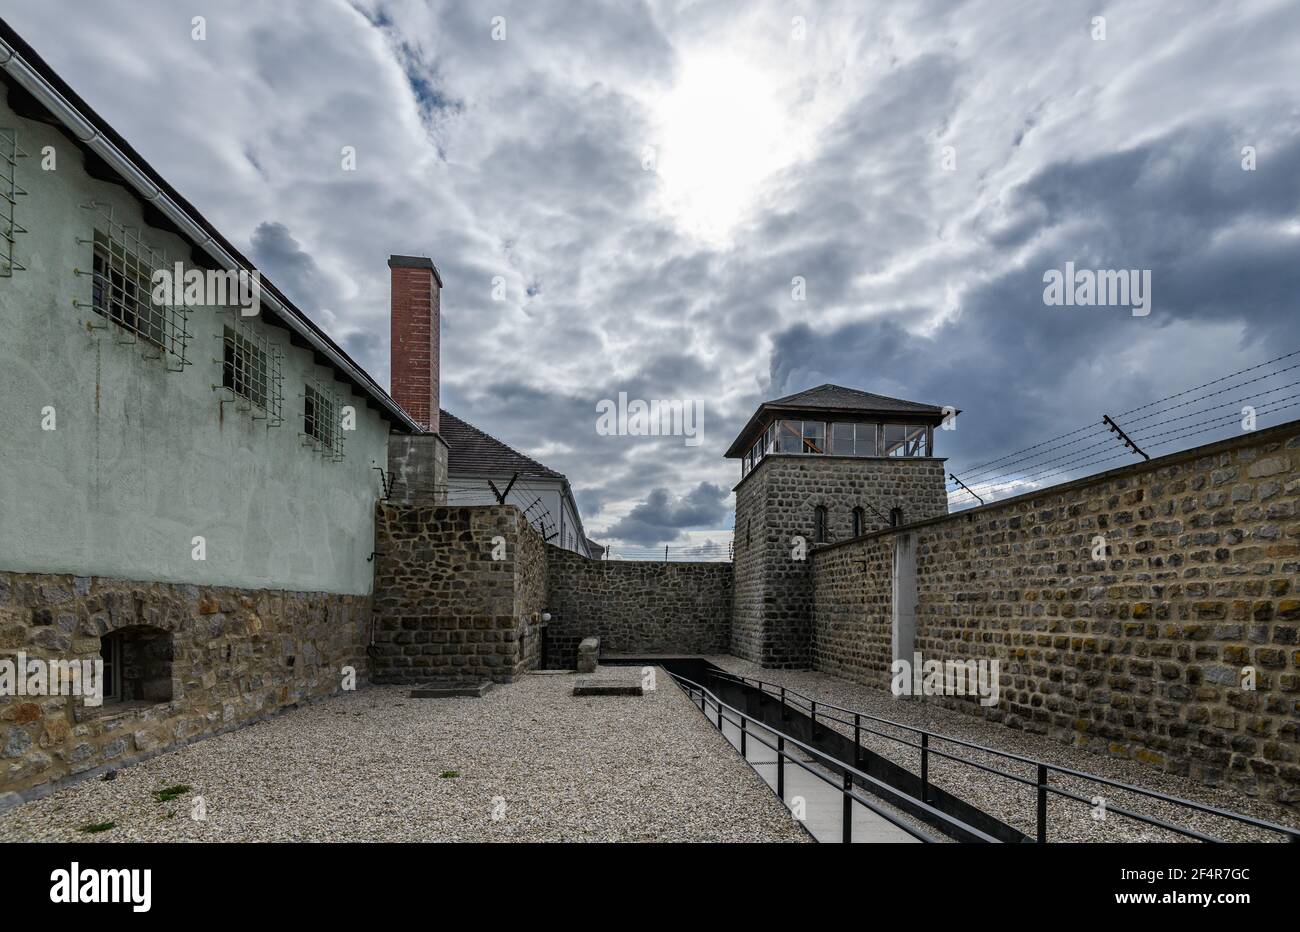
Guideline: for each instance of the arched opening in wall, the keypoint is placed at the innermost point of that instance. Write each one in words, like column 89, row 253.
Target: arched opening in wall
column 895, row 516
column 819, row 524
column 137, row 665
column 859, row 522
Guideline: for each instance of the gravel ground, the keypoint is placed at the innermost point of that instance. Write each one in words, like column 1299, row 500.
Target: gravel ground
column 1015, row 803
column 377, row 766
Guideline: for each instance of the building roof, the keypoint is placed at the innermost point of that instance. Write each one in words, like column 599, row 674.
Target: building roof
column 827, row 400
column 472, row 452
column 39, row 93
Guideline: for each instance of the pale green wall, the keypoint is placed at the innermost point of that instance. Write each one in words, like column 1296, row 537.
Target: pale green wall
column 142, row 459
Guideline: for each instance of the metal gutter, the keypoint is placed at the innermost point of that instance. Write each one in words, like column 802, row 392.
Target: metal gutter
column 85, row 130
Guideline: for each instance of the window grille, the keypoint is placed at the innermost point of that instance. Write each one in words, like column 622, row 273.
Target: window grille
column 122, row 270
column 320, row 420
column 251, row 377
column 10, row 191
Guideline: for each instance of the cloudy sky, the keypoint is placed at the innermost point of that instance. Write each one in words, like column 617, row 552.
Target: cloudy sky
column 647, row 180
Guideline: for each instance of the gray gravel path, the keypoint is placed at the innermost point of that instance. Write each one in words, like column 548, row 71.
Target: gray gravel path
column 378, row 766
column 1015, row 803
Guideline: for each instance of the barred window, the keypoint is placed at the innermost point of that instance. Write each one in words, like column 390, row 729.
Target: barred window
column 122, row 273
column 122, row 290
column 10, row 191
column 244, row 368
column 320, row 420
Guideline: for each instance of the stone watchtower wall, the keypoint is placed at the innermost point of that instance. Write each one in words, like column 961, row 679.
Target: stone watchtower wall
column 772, row 611
column 1144, row 654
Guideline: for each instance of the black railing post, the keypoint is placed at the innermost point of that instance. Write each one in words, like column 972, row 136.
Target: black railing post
column 1042, row 803
column 813, row 707
column 785, row 712
column 857, row 740
column 743, row 733
column 925, row 766
column 719, row 715
column 848, row 808
column 780, row 766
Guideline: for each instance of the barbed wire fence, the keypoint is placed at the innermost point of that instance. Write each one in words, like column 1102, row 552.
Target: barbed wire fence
column 1256, row 392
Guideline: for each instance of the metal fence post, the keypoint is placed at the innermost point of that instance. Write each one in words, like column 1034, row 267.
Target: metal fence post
column 857, row 740
column 813, row 707
column 743, row 733
column 1042, row 803
column 785, row 712
column 925, row 766
column 848, row 808
column 780, row 766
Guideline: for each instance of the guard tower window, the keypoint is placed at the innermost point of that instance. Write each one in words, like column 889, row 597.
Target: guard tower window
column 802, row 437
column 859, row 522
column 907, row 440
column 819, row 524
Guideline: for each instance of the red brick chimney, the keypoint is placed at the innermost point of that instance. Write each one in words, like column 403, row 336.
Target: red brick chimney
column 413, row 355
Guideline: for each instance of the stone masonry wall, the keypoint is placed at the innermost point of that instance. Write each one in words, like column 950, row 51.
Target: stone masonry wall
column 636, row 606
column 773, row 614
column 852, row 612
column 235, row 655
column 1140, row 655
column 445, row 608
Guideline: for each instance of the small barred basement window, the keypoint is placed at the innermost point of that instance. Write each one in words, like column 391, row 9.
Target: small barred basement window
column 819, row 522
column 859, row 522
column 250, row 373
column 137, row 665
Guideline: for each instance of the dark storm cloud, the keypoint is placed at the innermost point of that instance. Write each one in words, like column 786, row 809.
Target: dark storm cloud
column 284, row 261
column 662, row 518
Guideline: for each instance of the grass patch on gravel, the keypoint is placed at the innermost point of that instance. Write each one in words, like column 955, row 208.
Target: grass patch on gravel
column 96, row 827
column 449, row 774
column 167, row 794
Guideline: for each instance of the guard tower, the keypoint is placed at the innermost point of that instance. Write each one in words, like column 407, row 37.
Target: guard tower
column 824, row 465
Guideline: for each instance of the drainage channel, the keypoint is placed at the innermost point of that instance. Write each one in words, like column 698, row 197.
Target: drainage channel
column 816, row 773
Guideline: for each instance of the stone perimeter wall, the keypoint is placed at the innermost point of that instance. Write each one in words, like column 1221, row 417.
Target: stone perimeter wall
column 445, row 608
column 237, row 655
column 636, row 606
column 1139, row 655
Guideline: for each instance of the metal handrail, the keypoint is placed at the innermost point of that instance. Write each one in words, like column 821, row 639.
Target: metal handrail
column 1041, row 783
column 849, row 772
